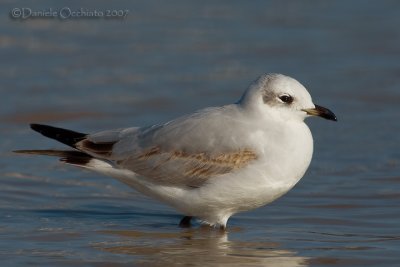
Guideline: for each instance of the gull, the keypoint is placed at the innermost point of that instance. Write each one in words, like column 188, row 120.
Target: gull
column 212, row 163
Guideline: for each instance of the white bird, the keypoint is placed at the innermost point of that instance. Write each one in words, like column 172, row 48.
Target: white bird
column 212, row 163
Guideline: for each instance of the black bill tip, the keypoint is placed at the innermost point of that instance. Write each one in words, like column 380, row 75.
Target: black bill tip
column 321, row 112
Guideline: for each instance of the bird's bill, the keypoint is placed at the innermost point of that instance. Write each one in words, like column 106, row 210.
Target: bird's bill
column 321, row 112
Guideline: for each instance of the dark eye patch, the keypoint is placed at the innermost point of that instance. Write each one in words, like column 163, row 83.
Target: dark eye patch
column 288, row 99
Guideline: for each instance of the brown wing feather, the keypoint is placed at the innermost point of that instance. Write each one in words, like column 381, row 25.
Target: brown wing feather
column 173, row 167
column 181, row 168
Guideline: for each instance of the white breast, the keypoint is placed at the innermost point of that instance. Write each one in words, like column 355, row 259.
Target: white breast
column 269, row 177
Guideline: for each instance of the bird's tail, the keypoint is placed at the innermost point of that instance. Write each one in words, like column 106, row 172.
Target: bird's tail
column 68, row 137
column 86, row 154
column 77, row 157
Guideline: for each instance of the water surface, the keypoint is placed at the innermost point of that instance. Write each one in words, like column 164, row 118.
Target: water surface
column 168, row 59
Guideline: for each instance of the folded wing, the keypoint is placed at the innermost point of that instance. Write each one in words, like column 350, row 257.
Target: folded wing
column 183, row 152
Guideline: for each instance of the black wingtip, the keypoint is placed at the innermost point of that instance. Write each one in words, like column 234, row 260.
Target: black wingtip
column 36, row 127
column 79, row 161
column 39, row 127
column 67, row 156
column 64, row 136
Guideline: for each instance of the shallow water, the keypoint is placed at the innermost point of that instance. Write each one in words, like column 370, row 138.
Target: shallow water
column 165, row 60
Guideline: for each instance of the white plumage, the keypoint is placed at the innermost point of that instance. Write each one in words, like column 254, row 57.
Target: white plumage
column 215, row 162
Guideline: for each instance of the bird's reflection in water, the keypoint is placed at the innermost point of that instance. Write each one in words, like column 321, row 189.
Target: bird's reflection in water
column 198, row 247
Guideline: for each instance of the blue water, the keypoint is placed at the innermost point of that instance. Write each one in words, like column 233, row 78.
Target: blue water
column 169, row 58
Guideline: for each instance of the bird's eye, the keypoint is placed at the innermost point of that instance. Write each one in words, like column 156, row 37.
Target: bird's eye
column 286, row 98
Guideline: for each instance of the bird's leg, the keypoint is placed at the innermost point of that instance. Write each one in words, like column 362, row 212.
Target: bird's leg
column 185, row 222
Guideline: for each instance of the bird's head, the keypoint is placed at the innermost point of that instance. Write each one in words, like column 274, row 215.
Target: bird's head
column 282, row 96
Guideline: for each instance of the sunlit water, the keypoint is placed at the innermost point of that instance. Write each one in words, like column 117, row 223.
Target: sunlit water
column 165, row 60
